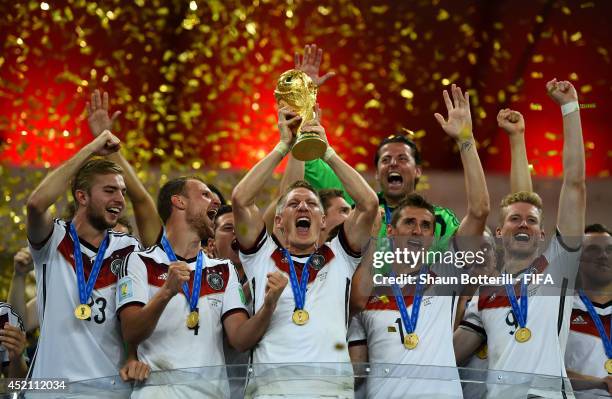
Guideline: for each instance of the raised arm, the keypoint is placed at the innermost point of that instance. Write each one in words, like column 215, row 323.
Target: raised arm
column 293, row 172
column 248, row 221
column 39, row 221
column 513, row 124
column 359, row 223
column 459, row 127
column 572, row 201
column 145, row 211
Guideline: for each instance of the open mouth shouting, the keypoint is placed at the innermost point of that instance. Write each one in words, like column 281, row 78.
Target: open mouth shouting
column 114, row 210
column 302, row 225
column 395, row 180
column 522, row 237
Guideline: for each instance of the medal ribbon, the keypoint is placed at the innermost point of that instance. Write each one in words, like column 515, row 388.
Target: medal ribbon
column 387, row 215
column 85, row 289
column 607, row 341
column 299, row 291
column 519, row 308
column 410, row 323
column 197, row 278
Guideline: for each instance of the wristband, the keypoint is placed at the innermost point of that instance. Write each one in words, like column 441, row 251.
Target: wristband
column 282, row 148
column 329, row 152
column 570, row 107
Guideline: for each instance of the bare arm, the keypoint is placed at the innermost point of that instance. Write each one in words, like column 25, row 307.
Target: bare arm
column 293, row 172
column 582, row 382
column 249, row 222
column 465, row 342
column 572, row 201
column 459, row 127
column 145, row 211
column 513, row 123
column 137, row 321
column 22, row 265
column 243, row 332
column 54, row 185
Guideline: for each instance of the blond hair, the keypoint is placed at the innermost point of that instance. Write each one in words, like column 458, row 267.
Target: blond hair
column 84, row 177
column 527, row 197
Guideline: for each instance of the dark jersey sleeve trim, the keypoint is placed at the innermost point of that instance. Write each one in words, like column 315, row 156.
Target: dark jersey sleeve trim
column 232, row 311
column 563, row 244
column 345, row 245
column 39, row 245
column 358, row 342
column 261, row 239
column 474, row 327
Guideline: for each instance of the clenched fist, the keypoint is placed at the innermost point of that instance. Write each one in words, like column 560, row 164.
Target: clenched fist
column 561, row 92
column 22, row 262
column 274, row 288
column 178, row 273
column 511, row 121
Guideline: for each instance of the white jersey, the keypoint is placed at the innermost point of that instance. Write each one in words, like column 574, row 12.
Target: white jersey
column 323, row 338
column 69, row 347
column 490, row 314
column 172, row 345
column 585, row 352
column 8, row 315
column 430, row 369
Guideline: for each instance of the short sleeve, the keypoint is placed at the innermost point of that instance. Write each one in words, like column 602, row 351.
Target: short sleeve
column 341, row 248
column 252, row 258
column 233, row 297
column 41, row 253
column 356, row 332
column 471, row 319
column 133, row 285
column 563, row 262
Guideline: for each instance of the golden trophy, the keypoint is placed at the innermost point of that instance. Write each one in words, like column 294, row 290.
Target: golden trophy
column 296, row 90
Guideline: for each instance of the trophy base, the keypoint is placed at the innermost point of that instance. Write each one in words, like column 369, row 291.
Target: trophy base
column 308, row 146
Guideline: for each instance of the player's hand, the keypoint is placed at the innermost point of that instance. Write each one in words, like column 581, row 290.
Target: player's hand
column 310, row 64
column 608, row 383
column 511, row 121
column 459, row 123
column 14, row 340
column 178, row 273
column 288, row 123
column 22, row 262
column 134, row 370
column 561, row 92
column 274, row 288
column 106, row 143
column 97, row 114
column 314, row 125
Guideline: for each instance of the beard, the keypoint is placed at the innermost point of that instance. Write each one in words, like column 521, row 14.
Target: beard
column 97, row 220
column 201, row 224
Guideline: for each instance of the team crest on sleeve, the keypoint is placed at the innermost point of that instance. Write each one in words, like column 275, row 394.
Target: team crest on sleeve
column 125, row 290
column 215, row 281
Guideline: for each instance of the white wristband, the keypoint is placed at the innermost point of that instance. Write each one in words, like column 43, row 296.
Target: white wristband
column 329, row 152
column 568, row 108
column 282, row 148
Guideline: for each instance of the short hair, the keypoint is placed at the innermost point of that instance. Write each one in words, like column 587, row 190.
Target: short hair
column 328, row 194
column 223, row 209
column 415, row 201
column 398, row 139
column 528, row 197
column 298, row 184
column 83, row 179
column 124, row 221
column 216, row 190
column 597, row 228
column 170, row 189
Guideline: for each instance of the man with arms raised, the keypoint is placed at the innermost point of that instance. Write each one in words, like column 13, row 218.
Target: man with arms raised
column 394, row 326
column 76, row 262
column 309, row 324
column 176, row 331
column 526, row 324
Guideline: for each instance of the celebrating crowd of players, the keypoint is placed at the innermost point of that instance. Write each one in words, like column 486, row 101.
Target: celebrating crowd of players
column 289, row 289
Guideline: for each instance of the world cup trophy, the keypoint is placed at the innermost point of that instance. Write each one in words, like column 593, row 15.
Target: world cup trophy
column 296, row 90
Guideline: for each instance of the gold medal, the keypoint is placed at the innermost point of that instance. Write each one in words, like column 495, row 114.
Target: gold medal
column 482, row 352
column 82, row 312
column 300, row 317
column 411, row 341
column 608, row 366
column 522, row 335
column 193, row 319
